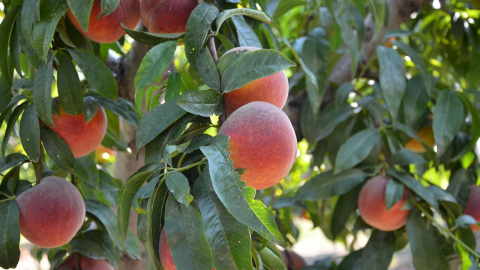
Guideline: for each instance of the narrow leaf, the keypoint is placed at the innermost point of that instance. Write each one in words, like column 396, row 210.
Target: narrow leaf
column 154, row 63
column 393, row 193
column 203, row 103
column 177, row 183
column 378, row 252
column 356, row 149
column 10, row 234
column 81, row 11
column 58, row 150
column 30, row 132
column 42, row 92
column 6, row 29
column 69, row 86
column 447, row 120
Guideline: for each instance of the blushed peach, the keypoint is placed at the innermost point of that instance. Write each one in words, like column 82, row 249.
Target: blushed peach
column 166, row 16
column 426, row 135
column 51, row 212
column 272, row 89
column 108, row 28
column 373, row 209
column 262, row 141
column 473, row 206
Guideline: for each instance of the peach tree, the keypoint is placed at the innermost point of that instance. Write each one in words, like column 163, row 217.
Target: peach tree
column 185, row 134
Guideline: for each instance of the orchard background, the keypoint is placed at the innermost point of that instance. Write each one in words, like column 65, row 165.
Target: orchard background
column 382, row 98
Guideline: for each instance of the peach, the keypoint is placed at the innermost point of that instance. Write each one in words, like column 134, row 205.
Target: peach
column 165, row 255
column 51, row 212
column 82, row 137
column 86, row 263
column 262, row 141
column 166, row 16
column 472, row 208
column 272, row 89
column 373, row 209
column 103, row 154
column 108, row 29
column 426, row 135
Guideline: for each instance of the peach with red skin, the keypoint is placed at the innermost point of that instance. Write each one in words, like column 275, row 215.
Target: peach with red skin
column 272, row 89
column 473, row 206
column 51, row 212
column 165, row 254
column 108, row 28
column 82, row 137
column 262, row 141
column 372, row 206
column 166, row 16
column 85, row 263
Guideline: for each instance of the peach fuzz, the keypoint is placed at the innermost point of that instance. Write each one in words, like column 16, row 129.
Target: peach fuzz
column 373, row 209
column 108, row 28
column 473, row 206
column 272, row 89
column 166, row 16
column 262, row 141
column 82, row 137
column 51, row 212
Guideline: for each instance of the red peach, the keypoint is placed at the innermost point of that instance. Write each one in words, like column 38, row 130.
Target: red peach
column 272, row 89
column 472, row 208
column 108, row 29
column 262, row 141
column 372, row 206
column 166, row 16
column 82, row 137
column 51, row 212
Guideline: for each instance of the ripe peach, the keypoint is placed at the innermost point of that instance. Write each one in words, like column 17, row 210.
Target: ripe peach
column 262, row 141
column 272, row 89
column 81, row 137
column 165, row 254
column 85, row 263
column 103, row 154
column 426, row 135
column 108, row 29
column 166, row 16
column 372, row 206
column 472, row 208
column 51, row 212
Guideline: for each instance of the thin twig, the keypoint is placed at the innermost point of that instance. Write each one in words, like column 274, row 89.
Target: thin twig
column 39, row 168
column 212, row 47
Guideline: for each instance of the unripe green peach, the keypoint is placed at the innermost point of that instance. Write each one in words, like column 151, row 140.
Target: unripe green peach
column 262, row 141
column 272, row 89
column 373, row 209
column 51, row 212
column 108, row 28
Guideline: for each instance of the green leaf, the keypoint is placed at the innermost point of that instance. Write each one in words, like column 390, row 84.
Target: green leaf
column 174, row 87
column 378, row 10
column 378, row 252
column 120, row 107
column 177, row 183
column 345, row 207
column 352, row 261
column 203, row 103
column 11, row 161
column 197, row 29
column 405, row 157
column 326, row 185
column 228, row 238
column 197, row 142
column 150, row 38
column 97, row 73
column 246, row 36
column 356, row 149
column 27, row 17
column 392, row 78
column 252, row 66
column 270, row 258
column 81, row 10
column 156, row 121
column 186, row 237
column 43, row 31
column 155, row 210
column 459, row 186
column 12, row 121
column 327, row 122
column 16, row 48
column 42, row 92
column 475, row 133
column 6, row 29
column 58, row 150
column 10, row 234
column 235, row 195
column 447, row 120
column 103, row 214
column 154, row 63
column 132, row 186
column 106, row 244
column 86, row 170
column 465, row 221
column 88, row 248
column 225, row 41
column 414, row 185
column 108, row 6
column 256, row 14
column 30, row 132
column 415, row 101
column 393, row 193
column 425, row 251
column 419, row 63
column 207, row 69
column 69, row 86
column 23, row 83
